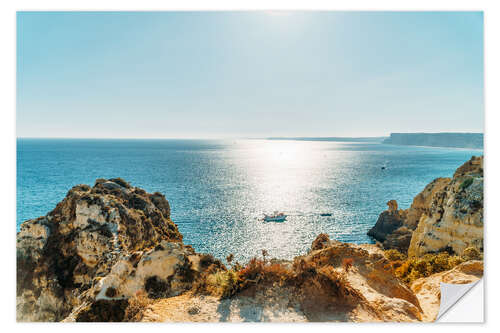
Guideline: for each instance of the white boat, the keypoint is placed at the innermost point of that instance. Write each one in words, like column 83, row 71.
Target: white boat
column 276, row 217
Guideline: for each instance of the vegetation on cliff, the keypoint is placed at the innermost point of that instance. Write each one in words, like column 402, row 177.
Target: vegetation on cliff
column 412, row 268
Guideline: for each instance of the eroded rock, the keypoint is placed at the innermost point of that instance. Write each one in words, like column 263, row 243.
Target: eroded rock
column 454, row 220
column 446, row 215
column 89, row 233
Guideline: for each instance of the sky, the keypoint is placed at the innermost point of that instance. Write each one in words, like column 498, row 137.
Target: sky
column 248, row 74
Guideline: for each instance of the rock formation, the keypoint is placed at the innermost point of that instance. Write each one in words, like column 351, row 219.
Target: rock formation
column 394, row 228
column 100, row 239
column 455, row 219
column 388, row 222
column 447, row 214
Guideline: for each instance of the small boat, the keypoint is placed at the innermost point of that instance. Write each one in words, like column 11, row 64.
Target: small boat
column 383, row 168
column 276, row 217
column 325, row 214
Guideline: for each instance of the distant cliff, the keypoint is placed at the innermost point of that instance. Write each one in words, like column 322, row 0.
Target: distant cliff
column 453, row 140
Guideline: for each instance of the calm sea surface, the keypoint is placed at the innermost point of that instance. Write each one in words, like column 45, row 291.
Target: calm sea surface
column 218, row 190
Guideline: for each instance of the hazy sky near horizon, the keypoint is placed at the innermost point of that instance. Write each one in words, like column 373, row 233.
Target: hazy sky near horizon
column 240, row 74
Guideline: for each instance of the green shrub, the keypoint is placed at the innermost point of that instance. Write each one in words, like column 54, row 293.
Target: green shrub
column 471, row 253
column 413, row 268
column 455, row 261
column 423, row 266
column 441, row 262
column 222, row 283
column 394, row 254
column 466, row 183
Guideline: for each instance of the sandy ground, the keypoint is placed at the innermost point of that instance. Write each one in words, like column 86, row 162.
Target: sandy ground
column 189, row 308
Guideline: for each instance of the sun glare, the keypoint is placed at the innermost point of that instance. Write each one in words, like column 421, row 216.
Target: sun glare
column 279, row 13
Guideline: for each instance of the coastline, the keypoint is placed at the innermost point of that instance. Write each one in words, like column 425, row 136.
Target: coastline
column 112, row 253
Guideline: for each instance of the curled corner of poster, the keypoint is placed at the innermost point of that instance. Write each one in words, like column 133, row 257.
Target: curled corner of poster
column 461, row 303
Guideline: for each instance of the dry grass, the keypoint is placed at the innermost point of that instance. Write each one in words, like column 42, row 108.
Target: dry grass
column 136, row 307
column 347, row 264
column 226, row 283
column 471, row 253
column 223, row 283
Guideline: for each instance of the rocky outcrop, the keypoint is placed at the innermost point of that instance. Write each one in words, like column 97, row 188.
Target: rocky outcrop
column 93, row 237
column 422, row 202
column 167, row 270
column 428, row 289
column 454, row 221
column 388, row 221
column 446, row 215
column 375, row 294
column 394, row 228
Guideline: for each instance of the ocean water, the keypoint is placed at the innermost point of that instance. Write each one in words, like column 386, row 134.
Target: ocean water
column 219, row 190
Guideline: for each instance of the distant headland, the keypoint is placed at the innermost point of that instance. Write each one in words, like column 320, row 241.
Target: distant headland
column 451, row 140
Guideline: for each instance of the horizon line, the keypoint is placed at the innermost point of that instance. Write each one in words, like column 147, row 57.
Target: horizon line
column 247, row 138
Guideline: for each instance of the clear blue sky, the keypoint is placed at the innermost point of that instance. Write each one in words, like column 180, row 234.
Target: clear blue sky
column 238, row 74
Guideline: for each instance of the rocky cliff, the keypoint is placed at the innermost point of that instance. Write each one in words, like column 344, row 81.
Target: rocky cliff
column 394, row 228
column 446, row 215
column 98, row 243
column 454, row 220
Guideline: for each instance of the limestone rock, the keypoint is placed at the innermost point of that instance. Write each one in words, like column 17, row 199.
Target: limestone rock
column 375, row 294
column 446, row 215
column 61, row 255
column 393, row 205
column 166, row 271
column 394, row 228
column 422, row 202
column 473, row 166
column 399, row 239
column 455, row 218
column 387, row 222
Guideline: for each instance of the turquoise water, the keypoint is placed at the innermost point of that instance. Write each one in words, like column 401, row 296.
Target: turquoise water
column 218, row 190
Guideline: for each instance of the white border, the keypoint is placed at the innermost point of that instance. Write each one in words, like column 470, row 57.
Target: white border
column 8, row 168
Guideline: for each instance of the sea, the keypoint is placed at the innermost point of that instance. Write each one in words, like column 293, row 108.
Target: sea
column 219, row 189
